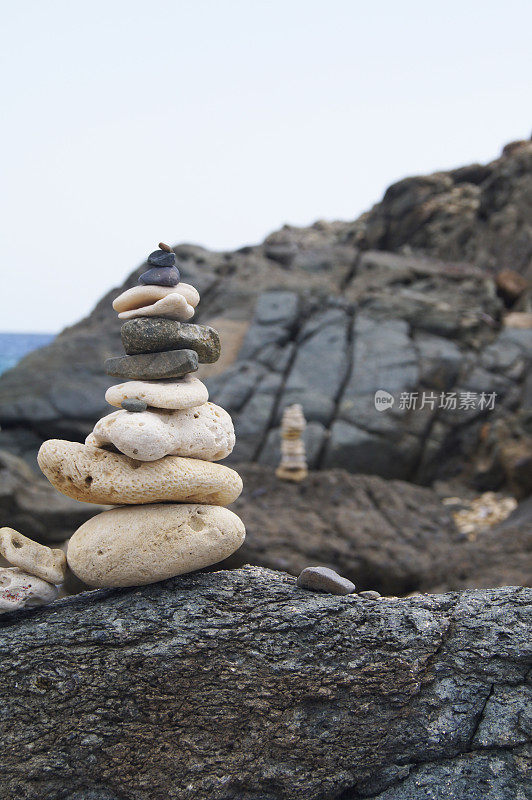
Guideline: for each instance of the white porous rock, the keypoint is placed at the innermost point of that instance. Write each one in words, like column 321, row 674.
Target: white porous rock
column 18, row 589
column 186, row 392
column 135, row 545
column 94, row 475
column 32, row 557
column 173, row 306
column 139, row 296
column 203, row 432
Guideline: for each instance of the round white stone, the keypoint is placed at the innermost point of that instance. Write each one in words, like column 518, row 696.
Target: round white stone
column 142, row 544
column 204, row 432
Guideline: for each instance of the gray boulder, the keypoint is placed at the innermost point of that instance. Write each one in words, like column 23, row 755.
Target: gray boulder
column 241, row 685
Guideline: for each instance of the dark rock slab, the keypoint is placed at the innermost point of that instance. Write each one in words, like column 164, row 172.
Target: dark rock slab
column 239, row 685
column 151, row 366
column 156, row 334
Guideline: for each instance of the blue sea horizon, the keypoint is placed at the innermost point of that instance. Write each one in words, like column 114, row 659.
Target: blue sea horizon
column 14, row 346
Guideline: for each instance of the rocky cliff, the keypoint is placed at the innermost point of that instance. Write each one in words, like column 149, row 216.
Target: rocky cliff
column 240, row 685
column 402, row 300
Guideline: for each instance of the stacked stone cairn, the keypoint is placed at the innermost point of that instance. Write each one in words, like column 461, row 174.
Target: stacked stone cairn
column 293, row 466
column 155, row 457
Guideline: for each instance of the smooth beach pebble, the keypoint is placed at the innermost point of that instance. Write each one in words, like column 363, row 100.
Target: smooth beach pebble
column 142, row 544
column 133, row 405
column 370, row 595
column 160, row 276
column 150, row 366
column 204, row 432
column 139, row 296
column 153, row 335
column 323, row 579
column 185, row 392
column 162, row 258
column 32, row 557
column 94, row 475
column 18, row 590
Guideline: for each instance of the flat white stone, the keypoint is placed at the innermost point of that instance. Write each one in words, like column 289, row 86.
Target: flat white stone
column 173, row 306
column 139, row 296
column 186, row 392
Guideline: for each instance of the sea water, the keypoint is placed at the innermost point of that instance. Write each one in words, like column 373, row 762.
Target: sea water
column 14, row 346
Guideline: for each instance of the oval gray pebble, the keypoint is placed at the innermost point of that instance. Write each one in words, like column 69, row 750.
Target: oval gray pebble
column 323, row 579
column 134, row 404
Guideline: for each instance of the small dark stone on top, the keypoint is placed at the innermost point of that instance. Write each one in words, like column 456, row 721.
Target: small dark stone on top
column 323, row 579
column 134, row 405
column 162, row 258
column 160, row 276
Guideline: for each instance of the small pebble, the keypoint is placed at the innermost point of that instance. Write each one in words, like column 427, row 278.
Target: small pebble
column 134, row 405
column 370, row 595
column 162, row 258
column 160, row 276
column 323, row 579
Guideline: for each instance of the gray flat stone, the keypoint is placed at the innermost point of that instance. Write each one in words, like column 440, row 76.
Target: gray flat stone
column 323, row 579
column 151, row 366
column 156, row 335
column 370, row 595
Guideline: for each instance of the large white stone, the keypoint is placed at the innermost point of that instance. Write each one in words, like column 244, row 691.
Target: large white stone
column 97, row 476
column 142, row 544
column 203, row 432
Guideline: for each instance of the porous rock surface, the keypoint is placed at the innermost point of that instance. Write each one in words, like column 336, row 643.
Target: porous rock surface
column 94, row 475
column 204, row 432
column 241, row 686
column 338, row 311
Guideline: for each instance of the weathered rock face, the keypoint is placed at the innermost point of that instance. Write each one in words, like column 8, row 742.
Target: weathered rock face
column 391, row 536
column 481, row 214
column 241, row 685
column 332, row 322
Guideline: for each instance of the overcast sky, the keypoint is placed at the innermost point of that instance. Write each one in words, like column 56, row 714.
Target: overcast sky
column 126, row 123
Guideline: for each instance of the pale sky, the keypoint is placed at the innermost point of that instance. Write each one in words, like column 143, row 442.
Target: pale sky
column 215, row 122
